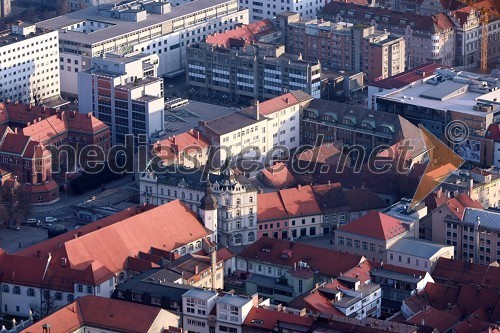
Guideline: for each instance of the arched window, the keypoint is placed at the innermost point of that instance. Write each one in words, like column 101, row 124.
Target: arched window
column 250, row 199
column 183, row 250
column 251, row 237
column 191, row 247
column 162, row 191
column 198, row 244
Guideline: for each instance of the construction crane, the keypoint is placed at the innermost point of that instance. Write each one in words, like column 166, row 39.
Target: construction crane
column 485, row 14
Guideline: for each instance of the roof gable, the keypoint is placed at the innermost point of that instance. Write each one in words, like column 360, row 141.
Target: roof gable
column 376, row 225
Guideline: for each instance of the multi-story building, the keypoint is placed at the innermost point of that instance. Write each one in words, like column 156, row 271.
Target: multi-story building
column 474, row 231
column 124, row 93
column 258, row 131
column 282, row 270
column 36, row 142
column 29, row 64
column 468, row 35
column 92, row 260
column 427, row 38
column 448, row 95
column 424, row 7
column 5, row 8
column 340, row 122
column 345, row 46
column 289, row 214
column 493, row 133
column 258, row 71
column 269, row 9
column 150, row 27
column 236, row 200
column 372, row 235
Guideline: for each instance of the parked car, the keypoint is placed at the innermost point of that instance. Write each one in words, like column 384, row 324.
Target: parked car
column 50, row 219
column 47, row 225
column 33, row 221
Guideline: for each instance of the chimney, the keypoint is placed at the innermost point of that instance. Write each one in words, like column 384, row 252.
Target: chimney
column 89, row 115
column 15, row 130
column 329, row 183
column 173, row 139
column 298, row 187
column 196, row 270
column 197, row 135
column 439, row 192
column 256, row 108
column 75, row 236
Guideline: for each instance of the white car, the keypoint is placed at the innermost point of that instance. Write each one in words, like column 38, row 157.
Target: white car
column 50, row 219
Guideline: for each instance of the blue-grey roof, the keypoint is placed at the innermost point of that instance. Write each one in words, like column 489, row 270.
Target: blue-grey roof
column 417, row 247
column 235, row 300
column 200, row 293
column 487, row 219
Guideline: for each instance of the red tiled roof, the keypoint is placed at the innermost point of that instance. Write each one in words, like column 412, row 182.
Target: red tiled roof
column 326, row 153
column 100, row 252
column 451, row 4
column 458, row 204
column 270, row 207
column 319, row 302
column 467, row 273
column 375, row 225
column 463, row 13
column 407, row 77
column 14, row 143
column 440, row 320
column 99, row 312
column 260, row 318
column 299, row 201
column 277, row 104
column 363, row 199
column 224, row 254
column 179, row 143
column 313, row 256
column 242, row 35
column 278, row 176
column 493, row 132
column 140, row 265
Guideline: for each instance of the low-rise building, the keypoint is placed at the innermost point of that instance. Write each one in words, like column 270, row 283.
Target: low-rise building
column 124, row 93
column 418, row 254
column 289, row 214
column 283, row 270
column 372, row 235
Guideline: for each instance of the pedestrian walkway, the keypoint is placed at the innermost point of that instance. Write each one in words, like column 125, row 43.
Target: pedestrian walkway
column 70, row 200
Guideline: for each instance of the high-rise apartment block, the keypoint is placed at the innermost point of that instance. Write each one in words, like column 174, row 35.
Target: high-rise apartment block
column 146, row 26
column 428, row 39
column 268, row 9
column 123, row 92
column 29, row 64
column 346, row 46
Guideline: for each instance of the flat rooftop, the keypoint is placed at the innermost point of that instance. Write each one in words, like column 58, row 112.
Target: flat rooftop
column 185, row 117
column 119, row 27
column 463, row 103
column 8, row 37
column 417, row 247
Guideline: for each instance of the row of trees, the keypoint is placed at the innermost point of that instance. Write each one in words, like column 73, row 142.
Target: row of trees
column 14, row 204
column 88, row 181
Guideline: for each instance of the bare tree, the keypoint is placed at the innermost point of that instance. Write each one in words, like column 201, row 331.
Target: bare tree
column 16, row 204
column 48, row 301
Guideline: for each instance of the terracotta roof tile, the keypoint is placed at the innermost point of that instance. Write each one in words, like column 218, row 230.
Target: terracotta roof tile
column 270, row 207
column 376, row 225
column 179, row 143
column 99, row 312
column 14, row 143
column 313, row 256
column 277, row 104
column 330, row 197
column 363, row 199
column 493, row 132
column 407, row 77
column 440, row 320
column 326, row 153
column 260, row 318
column 299, row 201
column 467, row 273
column 242, row 35
column 278, row 176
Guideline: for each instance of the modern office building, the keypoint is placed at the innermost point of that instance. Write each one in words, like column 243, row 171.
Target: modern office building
column 29, row 64
column 379, row 54
column 427, row 38
column 249, row 63
column 124, row 93
column 269, row 9
column 448, row 95
column 145, row 26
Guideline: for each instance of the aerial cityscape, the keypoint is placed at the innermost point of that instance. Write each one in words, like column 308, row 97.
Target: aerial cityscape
column 241, row 166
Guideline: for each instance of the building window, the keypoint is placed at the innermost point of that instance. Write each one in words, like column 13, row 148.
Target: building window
column 31, row 292
column 79, row 288
column 408, row 260
column 6, row 288
column 300, row 286
column 58, row 296
column 16, row 290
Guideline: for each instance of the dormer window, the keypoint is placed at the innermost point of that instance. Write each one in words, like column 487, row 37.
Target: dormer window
column 402, row 21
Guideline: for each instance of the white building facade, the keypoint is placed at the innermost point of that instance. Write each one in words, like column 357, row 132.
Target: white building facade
column 267, row 9
column 124, row 93
column 29, row 64
column 149, row 27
